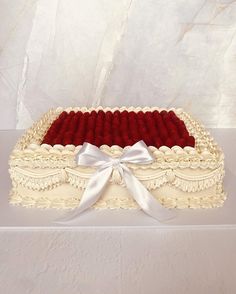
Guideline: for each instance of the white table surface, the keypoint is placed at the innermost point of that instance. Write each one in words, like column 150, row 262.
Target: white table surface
column 118, row 251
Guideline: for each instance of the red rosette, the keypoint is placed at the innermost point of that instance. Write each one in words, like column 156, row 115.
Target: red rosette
column 69, row 133
column 148, row 115
column 135, row 138
column 175, row 120
column 66, row 141
column 132, row 116
column 147, row 139
column 101, row 113
column 171, row 127
column 185, row 135
column 132, row 113
column 153, row 134
column 140, row 119
column 64, row 125
column 97, row 141
column 73, row 126
column 53, row 142
column 93, row 114
column 99, row 122
column 107, row 140
column 140, row 113
column 119, row 142
column 171, row 113
column 57, row 140
column 191, row 141
column 174, row 135
column 75, row 119
column 63, row 115
column 181, row 125
column 97, row 131
column 166, row 118
column 158, row 142
column 86, row 116
column 181, row 129
column 124, row 121
column 81, row 128
column 123, row 129
column 142, row 130
column 57, row 121
column 79, row 133
column 180, row 142
column 107, row 133
column 156, row 113
column 107, row 125
column 108, row 116
column 149, row 122
column 116, row 113
column 45, row 140
column 116, row 121
column 91, row 123
column 78, row 141
column 89, row 140
column 163, row 113
column 89, row 137
column 79, row 113
column 156, row 121
column 129, row 142
column 134, row 130
column 52, row 134
column 71, row 113
column 163, row 133
column 169, row 142
column 125, row 136
column 124, row 113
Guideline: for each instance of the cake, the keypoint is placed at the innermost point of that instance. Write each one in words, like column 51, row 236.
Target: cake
column 186, row 172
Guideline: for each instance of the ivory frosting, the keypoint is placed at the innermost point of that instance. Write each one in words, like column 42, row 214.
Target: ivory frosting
column 178, row 177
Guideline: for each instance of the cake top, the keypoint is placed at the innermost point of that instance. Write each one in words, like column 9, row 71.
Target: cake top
column 174, row 138
column 121, row 128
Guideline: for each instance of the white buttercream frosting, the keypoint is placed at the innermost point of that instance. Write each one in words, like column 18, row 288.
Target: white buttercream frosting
column 43, row 168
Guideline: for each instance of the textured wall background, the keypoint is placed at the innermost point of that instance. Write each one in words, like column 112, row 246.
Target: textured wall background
column 128, row 52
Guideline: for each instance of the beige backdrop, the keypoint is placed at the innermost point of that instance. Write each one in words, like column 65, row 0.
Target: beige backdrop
column 127, row 52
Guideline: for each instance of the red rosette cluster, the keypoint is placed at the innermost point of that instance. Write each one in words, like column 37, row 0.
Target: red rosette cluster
column 122, row 128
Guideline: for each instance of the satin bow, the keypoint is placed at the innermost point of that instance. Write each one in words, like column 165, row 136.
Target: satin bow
column 92, row 156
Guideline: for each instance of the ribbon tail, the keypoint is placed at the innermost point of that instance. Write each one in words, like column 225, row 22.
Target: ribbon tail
column 146, row 201
column 92, row 193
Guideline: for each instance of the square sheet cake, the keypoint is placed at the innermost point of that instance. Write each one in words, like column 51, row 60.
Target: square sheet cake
column 187, row 171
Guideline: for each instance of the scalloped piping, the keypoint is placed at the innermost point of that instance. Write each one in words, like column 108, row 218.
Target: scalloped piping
column 186, row 183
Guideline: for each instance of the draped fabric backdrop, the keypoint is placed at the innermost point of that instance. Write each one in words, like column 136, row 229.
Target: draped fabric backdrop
column 168, row 53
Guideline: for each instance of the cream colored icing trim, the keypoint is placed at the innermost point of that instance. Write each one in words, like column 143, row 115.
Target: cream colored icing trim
column 194, row 202
column 48, row 180
column 29, row 153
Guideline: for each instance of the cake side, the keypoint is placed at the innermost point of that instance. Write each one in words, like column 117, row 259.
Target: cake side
column 178, row 177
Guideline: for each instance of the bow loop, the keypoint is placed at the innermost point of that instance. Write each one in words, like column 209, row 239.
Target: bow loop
column 90, row 155
column 138, row 153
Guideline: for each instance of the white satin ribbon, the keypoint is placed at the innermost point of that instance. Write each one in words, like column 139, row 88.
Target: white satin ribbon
column 92, row 156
